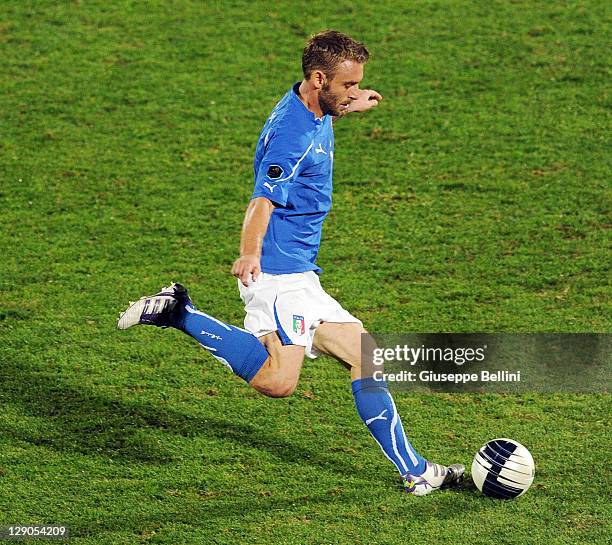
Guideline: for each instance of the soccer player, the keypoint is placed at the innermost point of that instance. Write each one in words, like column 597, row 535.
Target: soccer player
column 288, row 314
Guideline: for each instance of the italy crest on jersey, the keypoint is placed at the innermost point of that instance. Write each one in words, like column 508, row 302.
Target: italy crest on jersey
column 298, row 324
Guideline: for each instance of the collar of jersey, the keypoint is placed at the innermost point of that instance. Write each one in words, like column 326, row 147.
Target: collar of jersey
column 296, row 97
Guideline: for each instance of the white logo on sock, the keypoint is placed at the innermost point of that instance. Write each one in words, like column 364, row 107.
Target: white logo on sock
column 379, row 417
column 211, row 335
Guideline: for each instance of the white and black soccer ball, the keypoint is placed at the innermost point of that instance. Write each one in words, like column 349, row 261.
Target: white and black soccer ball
column 503, row 469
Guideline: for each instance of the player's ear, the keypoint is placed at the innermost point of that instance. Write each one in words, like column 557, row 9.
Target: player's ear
column 318, row 78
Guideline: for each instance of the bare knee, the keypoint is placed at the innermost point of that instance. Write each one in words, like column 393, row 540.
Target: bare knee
column 275, row 386
column 280, row 389
column 277, row 378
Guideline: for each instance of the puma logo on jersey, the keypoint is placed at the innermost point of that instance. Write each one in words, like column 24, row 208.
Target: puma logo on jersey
column 270, row 187
column 378, row 417
column 320, row 149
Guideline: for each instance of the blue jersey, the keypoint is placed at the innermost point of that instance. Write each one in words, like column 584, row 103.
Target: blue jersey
column 293, row 169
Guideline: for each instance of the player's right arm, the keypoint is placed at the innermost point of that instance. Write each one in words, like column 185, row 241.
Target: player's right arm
column 254, row 229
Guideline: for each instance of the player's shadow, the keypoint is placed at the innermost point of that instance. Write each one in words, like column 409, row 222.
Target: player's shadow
column 88, row 422
column 308, row 500
column 67, row 418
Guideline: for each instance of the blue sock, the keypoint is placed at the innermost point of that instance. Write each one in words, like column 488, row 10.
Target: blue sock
column 377, row 409
column 236, row 348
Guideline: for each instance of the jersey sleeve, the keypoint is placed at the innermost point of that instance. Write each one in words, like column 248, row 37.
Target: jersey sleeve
column 282, row 161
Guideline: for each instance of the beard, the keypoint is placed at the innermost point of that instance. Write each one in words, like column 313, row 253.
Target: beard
column 329, row 102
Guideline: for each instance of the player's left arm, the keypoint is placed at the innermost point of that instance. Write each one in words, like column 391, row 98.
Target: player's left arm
column 366, row 100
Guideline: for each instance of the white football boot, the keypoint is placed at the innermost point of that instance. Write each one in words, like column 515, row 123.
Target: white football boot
column 434, row 477
column 158, row 310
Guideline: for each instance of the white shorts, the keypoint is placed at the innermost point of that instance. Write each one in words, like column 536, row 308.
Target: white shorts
column 292, row 304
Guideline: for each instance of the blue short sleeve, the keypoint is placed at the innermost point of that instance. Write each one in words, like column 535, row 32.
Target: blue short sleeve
column 277, row 163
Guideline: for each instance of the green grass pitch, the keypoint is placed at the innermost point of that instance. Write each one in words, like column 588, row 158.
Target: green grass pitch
column 474, row 198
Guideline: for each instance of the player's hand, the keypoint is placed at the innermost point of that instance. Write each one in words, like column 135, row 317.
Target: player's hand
column 366, row 99
column 245, row 267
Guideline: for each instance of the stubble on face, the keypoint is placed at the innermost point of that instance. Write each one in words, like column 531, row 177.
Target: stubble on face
column 329, row 102
column 337, row 93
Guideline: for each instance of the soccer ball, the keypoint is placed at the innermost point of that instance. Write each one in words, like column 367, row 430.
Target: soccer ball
column 503, row 469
